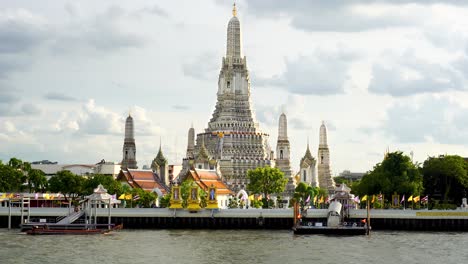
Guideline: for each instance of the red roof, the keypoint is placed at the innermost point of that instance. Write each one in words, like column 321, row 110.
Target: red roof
column 206, row 178
column 143, row 179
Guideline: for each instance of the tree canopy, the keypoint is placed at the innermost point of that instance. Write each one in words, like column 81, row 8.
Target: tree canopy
column 67, row 183
column 266, row 180
column 445, row 177
column 304, row 192
column 396, row 173
column 11, row 179
column 113, row 186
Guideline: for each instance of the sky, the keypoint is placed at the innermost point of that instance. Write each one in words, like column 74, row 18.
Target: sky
column 380, row 74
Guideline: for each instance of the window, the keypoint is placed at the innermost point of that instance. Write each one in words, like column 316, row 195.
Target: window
column 228, row 84
column 281, row 154
column 199, row 166
column 321, row 159
column 126, row 153
column 305, row 174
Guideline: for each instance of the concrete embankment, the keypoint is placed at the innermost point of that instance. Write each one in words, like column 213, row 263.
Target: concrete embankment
column 154, row 218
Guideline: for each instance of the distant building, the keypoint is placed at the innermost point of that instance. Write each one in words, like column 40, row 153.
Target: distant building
column 52, row 168
column 351, row 176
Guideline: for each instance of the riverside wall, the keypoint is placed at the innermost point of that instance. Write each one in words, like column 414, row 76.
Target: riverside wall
column 160, row 218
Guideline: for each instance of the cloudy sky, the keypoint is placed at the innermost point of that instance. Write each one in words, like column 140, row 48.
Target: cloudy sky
column 380, row 73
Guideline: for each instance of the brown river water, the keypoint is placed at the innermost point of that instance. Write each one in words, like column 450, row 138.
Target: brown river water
column 233, row 246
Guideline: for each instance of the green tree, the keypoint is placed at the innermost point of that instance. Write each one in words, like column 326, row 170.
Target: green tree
column 37, row 181
column 445, row 177
column 146, row 199
column 266, row 180
column 113, row 186
column 165, row 201
column 303, row 192
column 185, row 191
column 11, row 179
column 67, row 183
column 396, row 173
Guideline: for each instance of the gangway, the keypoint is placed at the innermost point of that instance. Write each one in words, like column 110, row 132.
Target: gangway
column 71, row 218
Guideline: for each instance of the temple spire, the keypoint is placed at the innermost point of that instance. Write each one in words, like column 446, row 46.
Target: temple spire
column 234, row 10
column 233, row 36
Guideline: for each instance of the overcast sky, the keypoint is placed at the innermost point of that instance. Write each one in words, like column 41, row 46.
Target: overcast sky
column 380, row 73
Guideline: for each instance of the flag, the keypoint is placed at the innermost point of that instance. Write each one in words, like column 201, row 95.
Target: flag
column 402, row 199
column 410, row 199
column 425, row 199
column 128, row 196
column 364, row 198
column 114, row 197
column 122, row 196
column 308, row 199
column 259, row 197
column 3, row 195
column 416, row 199
column 373, row 199
column 356, row 199
column 251, row 197
column 321, row 199
column 315, row 199
column 137, row 197
column 328, row 199
column 380, row 197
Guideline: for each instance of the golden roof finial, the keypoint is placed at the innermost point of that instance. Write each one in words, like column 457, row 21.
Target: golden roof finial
column 234, row 9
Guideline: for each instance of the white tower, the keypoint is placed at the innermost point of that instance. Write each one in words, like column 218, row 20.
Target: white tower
column 129, row 147
column 283, row 150
column 233, row 137
column 191, row 143
column 323, row 166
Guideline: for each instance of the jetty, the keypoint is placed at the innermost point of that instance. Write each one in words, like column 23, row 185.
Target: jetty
column 160, row 218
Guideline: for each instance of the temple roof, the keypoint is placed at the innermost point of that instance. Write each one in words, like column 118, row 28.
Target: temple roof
column 206, row 178
column 160, row 159
column 143, row 179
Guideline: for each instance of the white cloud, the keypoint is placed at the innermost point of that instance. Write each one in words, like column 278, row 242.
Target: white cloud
column 322, row 73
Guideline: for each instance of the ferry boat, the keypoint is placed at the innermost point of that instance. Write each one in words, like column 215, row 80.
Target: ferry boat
column 334, row 225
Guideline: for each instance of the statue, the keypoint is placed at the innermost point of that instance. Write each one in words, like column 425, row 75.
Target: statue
column 212, row 194
column 193, row 203
column 212, row 201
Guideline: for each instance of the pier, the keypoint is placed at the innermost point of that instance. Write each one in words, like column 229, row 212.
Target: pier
column 160, row 218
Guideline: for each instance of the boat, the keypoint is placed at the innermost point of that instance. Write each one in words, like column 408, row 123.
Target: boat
column 333, row 226
column 51, row 230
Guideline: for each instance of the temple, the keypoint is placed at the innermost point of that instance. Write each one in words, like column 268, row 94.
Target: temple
column 323, row 168
column 233, row 137
column 160, row 166
column 129, row 147
column 307, row 168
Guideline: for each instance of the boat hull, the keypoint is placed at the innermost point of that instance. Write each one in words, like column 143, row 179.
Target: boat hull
column 345, row 231
column 40, row 231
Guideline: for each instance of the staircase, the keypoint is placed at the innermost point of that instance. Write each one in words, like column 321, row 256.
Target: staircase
column 71, row 218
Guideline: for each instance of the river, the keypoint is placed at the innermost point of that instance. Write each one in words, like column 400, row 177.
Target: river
column 233, row 246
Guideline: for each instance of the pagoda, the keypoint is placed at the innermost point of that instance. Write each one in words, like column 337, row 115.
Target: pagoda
column 233, row 136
